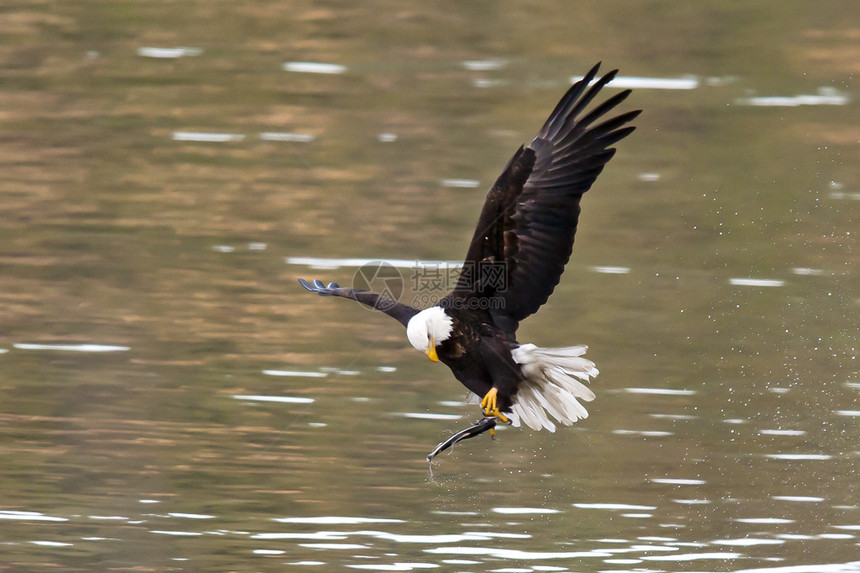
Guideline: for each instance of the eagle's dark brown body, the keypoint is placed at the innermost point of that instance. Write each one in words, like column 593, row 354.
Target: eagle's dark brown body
column 479, row 354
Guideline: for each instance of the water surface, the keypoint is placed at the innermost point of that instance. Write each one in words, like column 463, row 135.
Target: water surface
column 171, row 399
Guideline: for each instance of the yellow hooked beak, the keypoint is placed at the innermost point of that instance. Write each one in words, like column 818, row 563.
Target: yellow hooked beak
column 431, row 352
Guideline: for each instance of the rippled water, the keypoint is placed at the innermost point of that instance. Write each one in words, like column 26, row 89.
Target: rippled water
column 172, row 399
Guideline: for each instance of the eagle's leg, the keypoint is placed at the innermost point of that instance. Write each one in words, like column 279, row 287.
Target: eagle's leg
column 491, row 407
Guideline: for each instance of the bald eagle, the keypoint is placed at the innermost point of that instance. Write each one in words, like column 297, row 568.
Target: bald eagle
column 521, row 245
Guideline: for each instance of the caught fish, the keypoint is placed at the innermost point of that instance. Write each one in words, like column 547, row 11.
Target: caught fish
column 487, row 423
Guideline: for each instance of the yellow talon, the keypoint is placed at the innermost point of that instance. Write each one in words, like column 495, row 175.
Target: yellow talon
column 490, row 405
column 489, row 402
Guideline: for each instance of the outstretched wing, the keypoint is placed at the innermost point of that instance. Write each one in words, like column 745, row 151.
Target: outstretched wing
column 400, row 312
column 526, row 228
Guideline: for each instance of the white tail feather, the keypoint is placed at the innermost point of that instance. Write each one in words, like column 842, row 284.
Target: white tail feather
column 551, row 386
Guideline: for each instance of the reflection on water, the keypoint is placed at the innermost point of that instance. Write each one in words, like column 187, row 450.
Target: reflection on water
column 71, row 347
column 757, row 282
column 207, row 137
column 314, row 68
column 825, row 96
column 287, row 137
column 283, row 399
column 625, row 82
column 168, row 53
column 173, row 400
column 385, row 544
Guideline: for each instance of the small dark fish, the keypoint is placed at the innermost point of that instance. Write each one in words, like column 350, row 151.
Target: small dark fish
column 479, row 428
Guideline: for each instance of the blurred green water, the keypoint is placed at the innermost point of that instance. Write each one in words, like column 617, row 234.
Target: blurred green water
column 113, row 232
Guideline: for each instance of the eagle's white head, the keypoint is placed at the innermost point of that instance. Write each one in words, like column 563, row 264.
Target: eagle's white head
column 429, row 328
